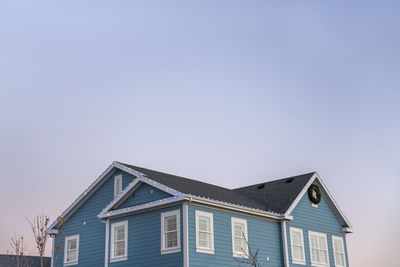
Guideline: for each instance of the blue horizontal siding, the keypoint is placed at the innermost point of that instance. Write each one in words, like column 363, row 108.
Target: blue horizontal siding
column 321, row 219
column 263, row 235
column 145, row 193
column 91, row 230
column 144, row 240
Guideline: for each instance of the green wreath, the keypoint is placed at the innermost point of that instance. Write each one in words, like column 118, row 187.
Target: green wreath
column 314, row 193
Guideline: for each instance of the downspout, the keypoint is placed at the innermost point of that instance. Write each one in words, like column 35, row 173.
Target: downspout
column 285, row 245
column 185, row 235
column 107, row 241
column 52, row 250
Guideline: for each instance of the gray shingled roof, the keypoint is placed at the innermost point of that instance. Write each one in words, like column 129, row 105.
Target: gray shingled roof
column 275, row 196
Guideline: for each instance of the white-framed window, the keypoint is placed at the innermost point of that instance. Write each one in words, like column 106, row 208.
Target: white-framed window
column 119, row 241
column 117, row 184
column 318, row 249
column 297, row 246
column 170, row 232
column 204, row 232
column 240, row 247
column 338, row 251
column 71, row 250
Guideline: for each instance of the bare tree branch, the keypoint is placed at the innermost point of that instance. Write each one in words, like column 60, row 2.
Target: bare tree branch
column 250, row 256
column 39, row 226
column 18, row 247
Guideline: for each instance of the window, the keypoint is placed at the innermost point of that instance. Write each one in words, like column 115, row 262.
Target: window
column 204, row 232
column 338, row 251
column 71, row 250
column 170, row 233
column 117, row 184
column 119, row 241
column 297, row 245
column 239, row 238
column 318, row 249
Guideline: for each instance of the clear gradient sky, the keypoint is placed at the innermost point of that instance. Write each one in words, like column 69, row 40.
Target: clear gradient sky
column 228, row 92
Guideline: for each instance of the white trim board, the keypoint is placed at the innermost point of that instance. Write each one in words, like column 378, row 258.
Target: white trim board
column 177, row 248
column 293, row 230
column 66, row 239
column 329, row 198
column 141, row 207
column 341, row 240
column 114, row 258
column 210, row 216
column 237, row 254
column 318, row 235
column 132, row 187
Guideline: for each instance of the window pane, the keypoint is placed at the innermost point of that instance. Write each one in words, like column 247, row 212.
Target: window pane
column 338, row 246
column 296, row 237
column 119, row 248
column 170, row 223
column 298, row 253
column 322, row 243
column 71, row 244
column 314, row 253
column 323, row 257
column 118, row 185
column 314, row 241
column 119, row 233
column 71, row 255
column 339, row 259
column 239, row 244
column 239, row 229
column 205, row 240
column 171, row 239
column 204, row 223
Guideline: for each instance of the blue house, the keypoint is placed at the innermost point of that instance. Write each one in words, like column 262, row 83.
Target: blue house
column 131, row 216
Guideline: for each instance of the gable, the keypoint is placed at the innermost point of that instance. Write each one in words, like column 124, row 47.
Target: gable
column 327, row 197
column 321, row 218
column 104, row 183
column 84, row 221
column 143, row 194
column 96, row 202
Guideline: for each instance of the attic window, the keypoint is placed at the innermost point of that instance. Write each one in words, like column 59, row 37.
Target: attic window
column 117, row 184
column 261, row 186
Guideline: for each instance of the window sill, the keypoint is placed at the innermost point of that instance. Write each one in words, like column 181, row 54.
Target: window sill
column 240, row 255
column 205, row 250
column 70, row 263
column 171, row 250
column 117, row 259
column 319, row 265
column 299, row 262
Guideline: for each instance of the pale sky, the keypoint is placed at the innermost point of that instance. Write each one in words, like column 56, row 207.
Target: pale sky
column 227, row 92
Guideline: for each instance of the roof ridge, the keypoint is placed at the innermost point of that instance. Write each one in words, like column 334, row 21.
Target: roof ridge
column 198, row 181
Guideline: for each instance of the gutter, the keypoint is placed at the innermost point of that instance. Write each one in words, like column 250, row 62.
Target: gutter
column 234, row 207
